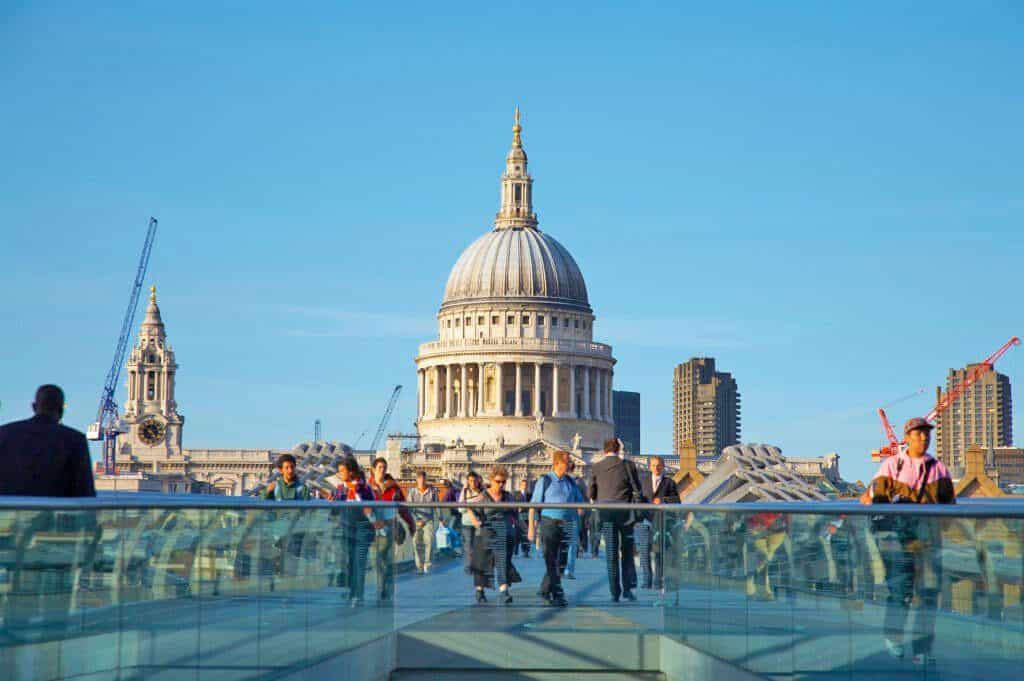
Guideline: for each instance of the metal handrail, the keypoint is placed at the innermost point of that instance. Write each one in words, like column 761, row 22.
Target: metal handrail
column 979, row 509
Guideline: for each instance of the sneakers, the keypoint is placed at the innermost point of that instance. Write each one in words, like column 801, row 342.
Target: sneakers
column 569, row 575
column 628, row 595
column 895, row 649
column 480, row 597
column 506, row 597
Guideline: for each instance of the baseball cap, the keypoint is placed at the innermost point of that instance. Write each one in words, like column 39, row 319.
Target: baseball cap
column 916, row 423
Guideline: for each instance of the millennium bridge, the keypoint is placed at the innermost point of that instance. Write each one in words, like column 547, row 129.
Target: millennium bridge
column 166, row 588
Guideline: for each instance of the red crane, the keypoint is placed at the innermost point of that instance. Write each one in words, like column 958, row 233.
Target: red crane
column 976, row 372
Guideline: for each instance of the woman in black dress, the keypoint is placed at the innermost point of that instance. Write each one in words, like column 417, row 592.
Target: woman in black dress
column 492, row 549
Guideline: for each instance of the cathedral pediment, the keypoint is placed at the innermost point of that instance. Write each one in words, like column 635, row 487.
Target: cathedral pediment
column 536, row 453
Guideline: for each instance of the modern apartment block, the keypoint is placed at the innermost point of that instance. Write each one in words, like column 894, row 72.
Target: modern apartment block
column 982, row 416
column 706, row 407
column 626, row 414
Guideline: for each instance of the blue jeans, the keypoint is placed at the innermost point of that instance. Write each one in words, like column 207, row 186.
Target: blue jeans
column 573, row 530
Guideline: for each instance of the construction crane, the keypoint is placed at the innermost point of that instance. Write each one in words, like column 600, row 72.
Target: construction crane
column 976, row 372
column 387, row 417
column 106, row 426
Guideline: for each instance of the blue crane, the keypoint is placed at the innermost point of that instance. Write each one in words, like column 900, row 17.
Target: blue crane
column 387, row 417
column 106, row 427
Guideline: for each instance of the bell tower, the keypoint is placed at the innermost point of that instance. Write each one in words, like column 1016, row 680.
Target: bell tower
column 152, row 423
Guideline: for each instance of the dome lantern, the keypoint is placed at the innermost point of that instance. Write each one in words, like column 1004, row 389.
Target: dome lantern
column 516, row 187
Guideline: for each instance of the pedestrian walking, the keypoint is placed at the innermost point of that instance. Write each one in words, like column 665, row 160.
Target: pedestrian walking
column 385, row 488
column 522, row 496
column 554, row 488
column 652, row 534
column 451, row 496
column 911, row 546
column 616, row 480
column 423, row 537
column 41, row 457
column 357, row 528
column 492, row 548
column 472, row 493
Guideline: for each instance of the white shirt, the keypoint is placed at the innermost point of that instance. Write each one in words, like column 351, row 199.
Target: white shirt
column 655, row 481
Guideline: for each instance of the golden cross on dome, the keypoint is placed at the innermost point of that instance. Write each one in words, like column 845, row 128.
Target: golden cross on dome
column 152, row 294
column 516, row 129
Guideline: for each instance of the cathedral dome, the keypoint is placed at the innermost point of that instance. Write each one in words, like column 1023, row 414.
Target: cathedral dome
column 521, row 263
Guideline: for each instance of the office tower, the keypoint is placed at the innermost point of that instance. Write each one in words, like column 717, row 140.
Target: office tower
column 626, row 414
column 706, row 408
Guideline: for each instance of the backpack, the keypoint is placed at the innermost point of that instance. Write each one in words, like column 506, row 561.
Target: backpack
column 544, row 486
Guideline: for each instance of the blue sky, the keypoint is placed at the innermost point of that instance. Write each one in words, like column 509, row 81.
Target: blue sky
column 825, row 197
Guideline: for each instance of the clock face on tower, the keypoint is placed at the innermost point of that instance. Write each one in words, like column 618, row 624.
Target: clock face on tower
column 151, row 431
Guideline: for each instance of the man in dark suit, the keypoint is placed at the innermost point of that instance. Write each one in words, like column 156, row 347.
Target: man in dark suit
column 42, row 458
column 660, row 489
column 615, row 479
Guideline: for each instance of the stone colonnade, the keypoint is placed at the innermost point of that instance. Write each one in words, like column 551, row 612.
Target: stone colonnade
column 481, row 389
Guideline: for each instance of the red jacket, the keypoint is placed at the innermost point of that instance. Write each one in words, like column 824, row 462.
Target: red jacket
column 765, row 521
column 392, row 492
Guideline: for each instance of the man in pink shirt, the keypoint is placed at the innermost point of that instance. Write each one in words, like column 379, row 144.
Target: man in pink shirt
column 911, row 545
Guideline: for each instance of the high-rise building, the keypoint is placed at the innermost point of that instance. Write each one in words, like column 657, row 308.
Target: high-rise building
column 982, row 416
column 706, row 408
column 626, row 414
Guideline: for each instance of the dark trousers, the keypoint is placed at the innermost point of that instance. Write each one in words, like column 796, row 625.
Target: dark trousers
column 910, row 571
column 552, row 537
column 519, row 540
column 359, row 537
column 595, row 536
column 468, row 536
column 618, row 545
